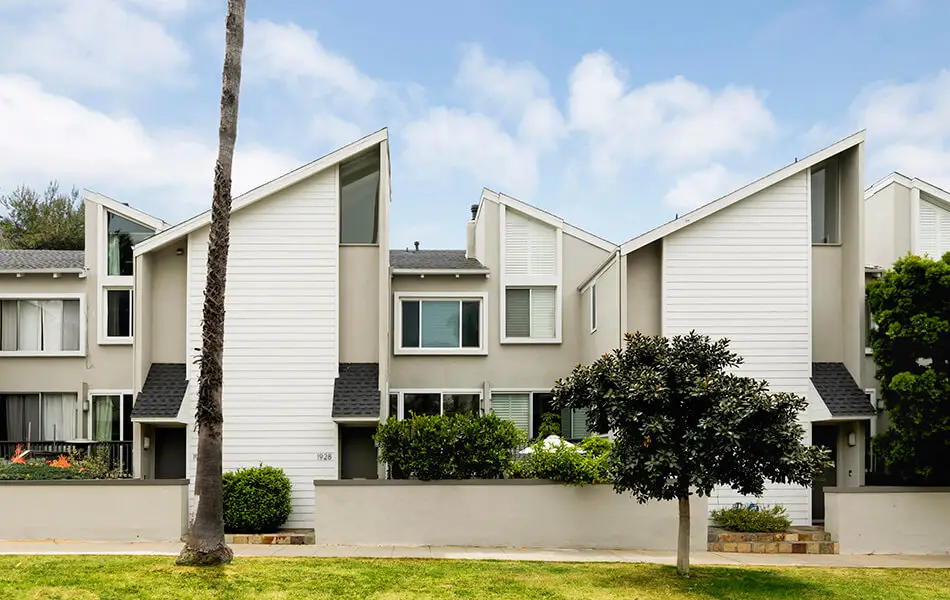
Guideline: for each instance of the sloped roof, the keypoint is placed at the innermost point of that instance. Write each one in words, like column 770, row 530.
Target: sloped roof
column 42, row 260
column 742, row 193
column 356, row 391
column 839, row 391
column 436, row 260
column 162, row 393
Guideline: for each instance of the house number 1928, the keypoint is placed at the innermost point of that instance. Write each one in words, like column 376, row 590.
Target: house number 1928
column 324, row 456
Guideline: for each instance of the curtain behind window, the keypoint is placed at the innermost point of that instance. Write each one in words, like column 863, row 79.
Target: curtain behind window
column 52, row 325
column 8, row 325
column 59, row 417
column 29, row 325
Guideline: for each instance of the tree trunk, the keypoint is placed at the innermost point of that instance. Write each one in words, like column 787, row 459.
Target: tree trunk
column 205, row 544
column 682, row 544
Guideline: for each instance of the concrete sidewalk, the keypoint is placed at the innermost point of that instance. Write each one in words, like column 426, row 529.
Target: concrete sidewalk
column 449, row 552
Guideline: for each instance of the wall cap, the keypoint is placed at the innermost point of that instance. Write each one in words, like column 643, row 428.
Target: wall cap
column 442, row 482
column 882, row 489
column 96, row 482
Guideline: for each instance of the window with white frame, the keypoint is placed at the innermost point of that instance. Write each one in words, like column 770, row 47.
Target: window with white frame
column 531, row 280
column 110, row 417
column 402, row 404
column 527, row 410
column 439, row 324
column 118, row 310
column 933, row 228
column 593, row 308
column 41, row 326
column 825, row 204
column 869, row 326
column 45, row 417
column 359, row 199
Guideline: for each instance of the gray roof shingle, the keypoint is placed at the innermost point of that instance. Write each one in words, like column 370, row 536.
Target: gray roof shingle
column 433, row 260
column 162, row 393
column 32, row 260
column 356, row 391
column 839, row 391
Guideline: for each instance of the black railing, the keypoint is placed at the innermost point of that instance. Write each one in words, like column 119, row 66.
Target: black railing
column 118, row 455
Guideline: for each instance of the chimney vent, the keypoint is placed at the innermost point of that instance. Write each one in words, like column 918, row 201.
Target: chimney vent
column 474, row 211
column 416, row 245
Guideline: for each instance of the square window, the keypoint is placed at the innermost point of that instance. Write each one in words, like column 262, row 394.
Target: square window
column 440, row 325
column 531, row 312
column 118, row 313
column 111, row 418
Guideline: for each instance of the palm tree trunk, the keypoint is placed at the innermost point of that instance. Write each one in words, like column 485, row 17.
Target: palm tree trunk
column 205, row 544
column 682, row 545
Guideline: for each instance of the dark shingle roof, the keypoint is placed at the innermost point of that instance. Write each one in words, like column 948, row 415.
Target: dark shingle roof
column 838, row 390
column 162, row 393
column 433, row 259
column 356, row 391
column 31, row 260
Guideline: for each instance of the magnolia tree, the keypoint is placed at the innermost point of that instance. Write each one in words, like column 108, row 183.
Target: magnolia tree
column 911, row 343
column 684, row 422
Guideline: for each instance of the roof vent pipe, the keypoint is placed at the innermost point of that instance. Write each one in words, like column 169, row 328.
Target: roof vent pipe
column 474, row 211
column 416, row 244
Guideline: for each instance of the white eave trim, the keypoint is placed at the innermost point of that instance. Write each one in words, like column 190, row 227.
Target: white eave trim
column 126, row 211
column 595, row 275
column 356, row 419
column 246, row 199
column 423, row 272
column 545, row 217
column 742, row 193
column 894, row 177
column 166, row 420
column 70, row 271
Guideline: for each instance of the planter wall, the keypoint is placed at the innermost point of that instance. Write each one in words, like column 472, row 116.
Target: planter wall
column 537, row 514
column 889, row 520
column 129, row 510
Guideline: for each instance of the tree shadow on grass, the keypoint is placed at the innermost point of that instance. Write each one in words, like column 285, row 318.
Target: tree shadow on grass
column 719, row 583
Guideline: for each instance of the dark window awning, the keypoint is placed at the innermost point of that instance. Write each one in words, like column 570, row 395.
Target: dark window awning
column 839, row 391
column 162, row 393
column 356, row 391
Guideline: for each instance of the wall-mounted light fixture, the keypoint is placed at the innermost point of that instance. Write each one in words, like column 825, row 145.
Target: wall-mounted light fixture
column 852, row 439
column 85, row 406
column 146, row 442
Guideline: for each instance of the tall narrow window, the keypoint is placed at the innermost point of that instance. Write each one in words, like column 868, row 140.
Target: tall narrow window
column 118, row 314
column 122, row 235
column 593, row 308
column 359, row 199
column 111, row 417
column 825, row 204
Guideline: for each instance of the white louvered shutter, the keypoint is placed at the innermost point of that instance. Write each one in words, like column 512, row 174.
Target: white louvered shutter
column 943, row 232
column 513, row 407
column 517, row 244
column 579, row 424
column 543, row 312
column 928, row 232
column 543, row 242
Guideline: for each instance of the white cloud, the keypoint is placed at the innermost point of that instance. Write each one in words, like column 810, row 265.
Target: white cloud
column 94, row 43
column 453, row 141
column 908, row 127
column 50, row 136
column 499, row 86
column 327, row 127
column 676, row 122
column 295, row 56
column 700, row 187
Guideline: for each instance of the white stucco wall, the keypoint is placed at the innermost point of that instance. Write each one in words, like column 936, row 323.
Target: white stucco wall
column 895, row 520
column 136, row 510
column 490, row 513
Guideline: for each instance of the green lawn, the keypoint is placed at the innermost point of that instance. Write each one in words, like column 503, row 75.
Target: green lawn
column 88, row 577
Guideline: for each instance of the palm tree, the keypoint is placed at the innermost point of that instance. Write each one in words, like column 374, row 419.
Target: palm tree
column 205, row 544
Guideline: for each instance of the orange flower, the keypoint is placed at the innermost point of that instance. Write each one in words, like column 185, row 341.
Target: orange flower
column 60, row 463
column 646, row 442
column 18, row 455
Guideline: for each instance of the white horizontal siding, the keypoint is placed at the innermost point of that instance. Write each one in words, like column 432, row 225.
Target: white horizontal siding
column 743, row 273
column 280, row 357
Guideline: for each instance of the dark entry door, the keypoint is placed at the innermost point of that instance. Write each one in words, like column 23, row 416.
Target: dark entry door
column 357, row 453
column 827, row 437
column 170, row 453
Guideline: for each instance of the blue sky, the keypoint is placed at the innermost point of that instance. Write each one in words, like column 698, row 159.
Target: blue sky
column 615, row 115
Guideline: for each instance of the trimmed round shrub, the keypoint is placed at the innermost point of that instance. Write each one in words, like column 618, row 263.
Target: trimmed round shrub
column 752, row 518
column 256, row 500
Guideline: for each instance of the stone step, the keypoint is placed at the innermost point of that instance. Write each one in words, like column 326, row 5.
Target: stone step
column 291, row 538
column 790, row 536
column 810, row 547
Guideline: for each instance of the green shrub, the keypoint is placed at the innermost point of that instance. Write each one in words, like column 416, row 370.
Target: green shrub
column 550, row 425
column 752, row 518
column 460, row 446
column 39, row 471
column 256, row 500
column 587, row 464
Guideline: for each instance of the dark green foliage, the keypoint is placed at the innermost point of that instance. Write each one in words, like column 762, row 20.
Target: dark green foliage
column 39, row 471
column 460, row 446
column 683, row 421
column 911, row 306
column 567, row 464
column 752, row 518
column 51, row 221
column 550, row 425
column 256, row 500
